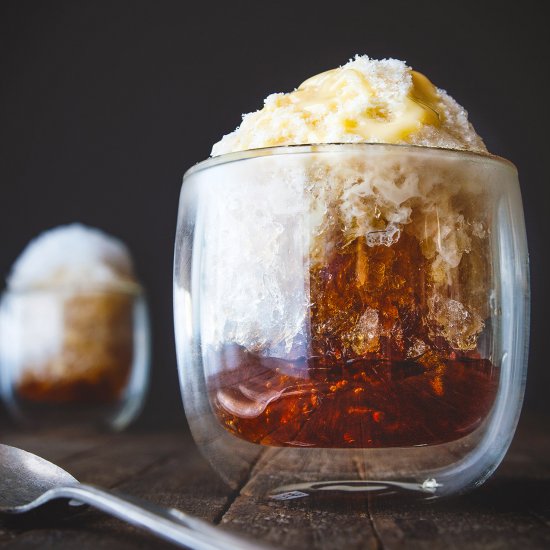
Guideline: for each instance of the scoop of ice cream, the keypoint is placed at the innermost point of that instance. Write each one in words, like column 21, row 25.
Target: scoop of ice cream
column 75, row 256
column 366, row 100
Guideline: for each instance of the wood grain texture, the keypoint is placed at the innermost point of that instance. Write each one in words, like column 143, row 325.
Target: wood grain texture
column 512, row 510
column 325, row 523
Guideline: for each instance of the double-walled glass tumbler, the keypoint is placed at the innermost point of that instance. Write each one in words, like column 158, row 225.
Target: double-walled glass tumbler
column 73, row 356
column 352, row 317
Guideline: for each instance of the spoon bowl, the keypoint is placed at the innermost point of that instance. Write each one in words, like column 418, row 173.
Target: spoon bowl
column 26, row 477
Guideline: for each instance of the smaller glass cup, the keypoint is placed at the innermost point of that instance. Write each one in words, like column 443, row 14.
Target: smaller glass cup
column 70, row 356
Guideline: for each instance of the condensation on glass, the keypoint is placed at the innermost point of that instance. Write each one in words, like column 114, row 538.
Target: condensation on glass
column 353, row 316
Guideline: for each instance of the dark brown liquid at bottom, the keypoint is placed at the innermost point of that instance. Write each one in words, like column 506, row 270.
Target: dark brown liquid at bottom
column 361, row 403
column 99, row 390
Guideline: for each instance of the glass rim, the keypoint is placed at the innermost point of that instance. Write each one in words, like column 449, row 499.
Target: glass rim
column 127, row 288
column 228, row 158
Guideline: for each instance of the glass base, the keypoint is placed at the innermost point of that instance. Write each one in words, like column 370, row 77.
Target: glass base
column 114, row 416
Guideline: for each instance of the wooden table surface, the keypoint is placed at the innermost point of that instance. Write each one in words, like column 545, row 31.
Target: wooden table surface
column 512, row 510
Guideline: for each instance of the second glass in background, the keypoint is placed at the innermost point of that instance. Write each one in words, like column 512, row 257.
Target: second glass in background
column 74, row 357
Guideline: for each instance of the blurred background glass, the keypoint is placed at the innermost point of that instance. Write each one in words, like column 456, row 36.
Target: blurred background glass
column 73, row 357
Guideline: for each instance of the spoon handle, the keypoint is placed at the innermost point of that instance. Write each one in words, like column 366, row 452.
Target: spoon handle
column 167, row 523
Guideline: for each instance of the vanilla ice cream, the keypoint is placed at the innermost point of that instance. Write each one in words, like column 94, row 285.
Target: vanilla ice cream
column 366, row 100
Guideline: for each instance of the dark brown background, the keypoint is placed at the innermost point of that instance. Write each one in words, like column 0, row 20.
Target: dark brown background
column 104, row 105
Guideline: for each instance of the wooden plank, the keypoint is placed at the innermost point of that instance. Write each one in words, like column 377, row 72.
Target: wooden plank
column 478, row 521
column 512, row 510
column 122, row 457
column 331, row 521
column 162, row 468
column 57, row 446
column 54, row 445
column 184, row 481
column 302, row 523
column 527, row 467
column 297, row 524
column 85, row 537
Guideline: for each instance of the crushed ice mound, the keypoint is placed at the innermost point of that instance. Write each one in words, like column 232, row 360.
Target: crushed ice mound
column 364, row 101
column 255, row 242
column 265, row 225
column 73, row 255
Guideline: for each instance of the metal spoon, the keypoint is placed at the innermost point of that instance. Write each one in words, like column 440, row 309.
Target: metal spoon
column 29, row 483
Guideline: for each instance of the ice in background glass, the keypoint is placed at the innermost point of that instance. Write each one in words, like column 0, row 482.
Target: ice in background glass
column 353, row 315
column 74, row 334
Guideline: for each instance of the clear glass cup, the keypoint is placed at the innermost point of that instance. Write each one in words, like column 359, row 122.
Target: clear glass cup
column 74, row 357
column 352, row 317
